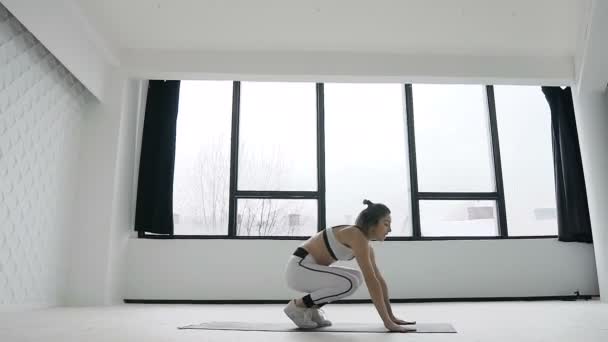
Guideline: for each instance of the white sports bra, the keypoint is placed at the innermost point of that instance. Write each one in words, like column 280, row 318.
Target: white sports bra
column 336, row 249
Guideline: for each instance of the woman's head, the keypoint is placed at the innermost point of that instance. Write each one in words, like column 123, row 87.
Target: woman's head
column 374, row 221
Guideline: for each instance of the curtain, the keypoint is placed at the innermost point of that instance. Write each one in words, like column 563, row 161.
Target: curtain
column 154, row 208
column 573, row 219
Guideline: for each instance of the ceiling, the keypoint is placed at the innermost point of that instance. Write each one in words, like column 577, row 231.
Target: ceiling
column 420, row 27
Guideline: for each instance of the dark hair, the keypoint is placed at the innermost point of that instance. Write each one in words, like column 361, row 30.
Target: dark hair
column 370, row 216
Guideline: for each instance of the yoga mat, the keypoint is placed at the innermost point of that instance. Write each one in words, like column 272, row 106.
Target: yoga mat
column 337, row 327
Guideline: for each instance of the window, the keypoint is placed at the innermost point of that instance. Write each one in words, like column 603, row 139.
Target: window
column 284, row 160
column 278, row 136
column 277, row 217
column 202, row 158
column 453, row 146
column 366, row 154
column 524, row 129
column 458, row 218
column 457, row 193
column 277, row 152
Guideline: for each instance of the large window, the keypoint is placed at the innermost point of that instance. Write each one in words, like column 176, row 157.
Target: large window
column 458, row 218
column 277, row 137
column 453, row 145
column 524, row 129
column 202, row 158
column 454, row 157
column 284, row 160
column 271, row 217
column 365, row 152
column 276, row 192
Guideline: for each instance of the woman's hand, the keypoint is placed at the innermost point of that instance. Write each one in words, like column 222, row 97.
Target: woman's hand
column 401, row 322
column 398, row 328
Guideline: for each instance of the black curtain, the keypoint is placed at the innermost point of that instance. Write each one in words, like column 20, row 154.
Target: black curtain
column 154, row 209
column 571, row 194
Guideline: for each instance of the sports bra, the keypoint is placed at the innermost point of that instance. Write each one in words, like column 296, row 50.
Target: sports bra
column 336, row 249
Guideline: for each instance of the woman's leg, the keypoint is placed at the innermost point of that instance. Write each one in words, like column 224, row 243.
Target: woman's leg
column 324, row 284
column 356, row 273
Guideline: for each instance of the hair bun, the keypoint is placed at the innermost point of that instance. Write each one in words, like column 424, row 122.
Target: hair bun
column 367, row 202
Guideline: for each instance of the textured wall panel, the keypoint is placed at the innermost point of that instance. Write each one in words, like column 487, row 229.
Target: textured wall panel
column 41, row 109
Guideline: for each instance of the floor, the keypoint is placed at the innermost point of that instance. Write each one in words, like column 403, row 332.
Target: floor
column 497, row 321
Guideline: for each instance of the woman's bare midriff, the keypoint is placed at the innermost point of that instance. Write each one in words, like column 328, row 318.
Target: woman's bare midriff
column 317, row 249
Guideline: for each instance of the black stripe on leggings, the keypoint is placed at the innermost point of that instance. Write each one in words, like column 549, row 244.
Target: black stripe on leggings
column 339, row 275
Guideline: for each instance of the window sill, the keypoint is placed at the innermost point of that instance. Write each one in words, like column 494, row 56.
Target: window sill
column 302, row 238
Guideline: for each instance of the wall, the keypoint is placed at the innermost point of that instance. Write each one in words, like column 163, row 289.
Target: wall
column 221, row 269
column 64, row 31
column 591, row 106
column 103, row 212
column 592, row 123
column 319, row 66
column 42, row 107
column 123, row 212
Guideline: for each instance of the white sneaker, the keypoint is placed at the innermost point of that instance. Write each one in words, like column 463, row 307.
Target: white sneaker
column 302, row 317
column 318, row 316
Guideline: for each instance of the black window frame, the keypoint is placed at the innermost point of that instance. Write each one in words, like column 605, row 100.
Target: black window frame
column 416, row 196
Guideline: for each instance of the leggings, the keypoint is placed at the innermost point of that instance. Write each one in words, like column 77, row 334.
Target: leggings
column 324, row 284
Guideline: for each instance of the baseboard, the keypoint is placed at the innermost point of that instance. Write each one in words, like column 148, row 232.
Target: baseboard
column 362, row 301
column 23, row 307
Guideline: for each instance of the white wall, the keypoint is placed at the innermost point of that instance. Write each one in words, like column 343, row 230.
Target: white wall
column 225, row 270
column 318, row 66
column 591, row 61
column 592, row 123
column 42, row 110
column 64, row 31
column 123, row 211
column 591, row 106
column 99, row 219
column 103, row 212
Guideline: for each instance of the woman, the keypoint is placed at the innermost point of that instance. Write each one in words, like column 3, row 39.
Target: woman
column 309, row 270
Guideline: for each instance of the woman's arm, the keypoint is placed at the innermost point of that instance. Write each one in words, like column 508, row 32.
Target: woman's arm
column 383, row 285
column 385, row 292
column 361, row 250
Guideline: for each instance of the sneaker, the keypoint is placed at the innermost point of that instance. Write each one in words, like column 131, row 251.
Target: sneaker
column 318, row 316
column 302, row 317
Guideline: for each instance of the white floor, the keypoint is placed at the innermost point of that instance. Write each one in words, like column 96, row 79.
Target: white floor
column 497, row 321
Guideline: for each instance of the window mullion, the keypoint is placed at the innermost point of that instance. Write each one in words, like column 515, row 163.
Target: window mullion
column 321, row 209
column 234, row 157
column 409, row 113
column 502, row 213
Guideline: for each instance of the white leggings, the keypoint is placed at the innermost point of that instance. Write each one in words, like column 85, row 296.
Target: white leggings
column 324, row 284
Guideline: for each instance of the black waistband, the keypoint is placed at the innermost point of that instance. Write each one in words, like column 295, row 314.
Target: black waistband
column 300, row 252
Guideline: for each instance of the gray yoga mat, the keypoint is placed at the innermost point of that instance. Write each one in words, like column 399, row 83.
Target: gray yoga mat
column 337, row 327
